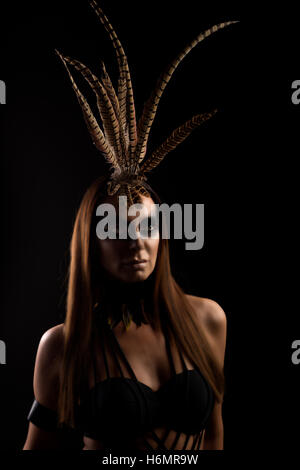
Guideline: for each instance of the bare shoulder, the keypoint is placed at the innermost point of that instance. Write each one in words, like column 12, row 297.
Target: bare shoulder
column 209, row 313
column 212, row 320
column 47, row 365
column 50, row 348
column 53, row 339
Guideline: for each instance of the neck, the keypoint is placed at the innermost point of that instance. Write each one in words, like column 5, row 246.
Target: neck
column 125, row 302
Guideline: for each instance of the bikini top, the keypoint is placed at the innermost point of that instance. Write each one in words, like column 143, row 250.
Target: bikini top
column 123, row 412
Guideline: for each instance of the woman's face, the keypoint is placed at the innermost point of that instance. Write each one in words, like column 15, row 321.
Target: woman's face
column 117, row 256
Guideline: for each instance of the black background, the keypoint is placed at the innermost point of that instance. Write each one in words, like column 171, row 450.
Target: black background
column 241, row 165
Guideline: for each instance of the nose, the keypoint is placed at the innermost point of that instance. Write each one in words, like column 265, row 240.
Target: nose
column 135, row 243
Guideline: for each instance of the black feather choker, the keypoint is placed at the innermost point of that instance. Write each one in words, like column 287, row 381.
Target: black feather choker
column 125, row 302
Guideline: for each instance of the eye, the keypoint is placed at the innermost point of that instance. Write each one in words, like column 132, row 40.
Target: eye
column 152, row 228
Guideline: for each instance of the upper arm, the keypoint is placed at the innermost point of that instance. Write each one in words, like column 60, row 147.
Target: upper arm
column 46, row 370
column 46, row 386
column 213, row 322
column 216, row 328
column 212, row 319
column 214, row 432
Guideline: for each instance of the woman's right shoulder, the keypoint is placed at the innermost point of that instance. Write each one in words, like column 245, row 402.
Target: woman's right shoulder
column 52, row 340
column 51, row 345
column 54, row 336
column 47, row 365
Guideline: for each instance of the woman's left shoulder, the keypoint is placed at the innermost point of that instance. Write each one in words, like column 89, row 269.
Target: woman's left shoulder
column 212, row 319
column 209, row 313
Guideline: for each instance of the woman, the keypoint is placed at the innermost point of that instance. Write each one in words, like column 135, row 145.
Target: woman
column 137, row 364
column 154, row 405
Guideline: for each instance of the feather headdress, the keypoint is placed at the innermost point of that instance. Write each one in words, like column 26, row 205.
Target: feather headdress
column 122, row 140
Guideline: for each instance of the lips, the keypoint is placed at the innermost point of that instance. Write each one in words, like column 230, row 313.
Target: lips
column 135, row 261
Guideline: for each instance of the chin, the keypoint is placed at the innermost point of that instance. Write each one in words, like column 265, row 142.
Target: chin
column 134, row 277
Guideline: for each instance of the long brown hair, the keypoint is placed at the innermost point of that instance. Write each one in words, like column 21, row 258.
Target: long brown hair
column 168, row 297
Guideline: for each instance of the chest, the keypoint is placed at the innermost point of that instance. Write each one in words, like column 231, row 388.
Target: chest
column 138, row 352
column 141, row 382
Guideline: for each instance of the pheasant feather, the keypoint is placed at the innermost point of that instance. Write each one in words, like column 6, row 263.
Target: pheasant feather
column 124, row 71
column 92, row 124
column 150, row 108
column 123, row 142
column 106, row 110
column 177, row 136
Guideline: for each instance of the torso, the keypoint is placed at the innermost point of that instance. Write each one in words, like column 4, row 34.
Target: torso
column 146, row 353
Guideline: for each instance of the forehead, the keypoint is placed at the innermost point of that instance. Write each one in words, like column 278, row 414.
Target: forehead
column 145, row 207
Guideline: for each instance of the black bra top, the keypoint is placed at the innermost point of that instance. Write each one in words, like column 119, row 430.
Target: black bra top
column 117, row 410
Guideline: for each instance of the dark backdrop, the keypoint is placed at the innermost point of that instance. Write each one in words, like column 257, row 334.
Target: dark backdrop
column 229, row 164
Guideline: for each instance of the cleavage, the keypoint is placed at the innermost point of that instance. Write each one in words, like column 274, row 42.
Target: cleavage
column 156, row 364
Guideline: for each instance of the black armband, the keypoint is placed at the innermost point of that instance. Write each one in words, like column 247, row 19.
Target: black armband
column 43, row 417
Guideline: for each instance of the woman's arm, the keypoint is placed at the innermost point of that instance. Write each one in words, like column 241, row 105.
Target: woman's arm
column 213, row 318
column 46, row 387
column 213, row 438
